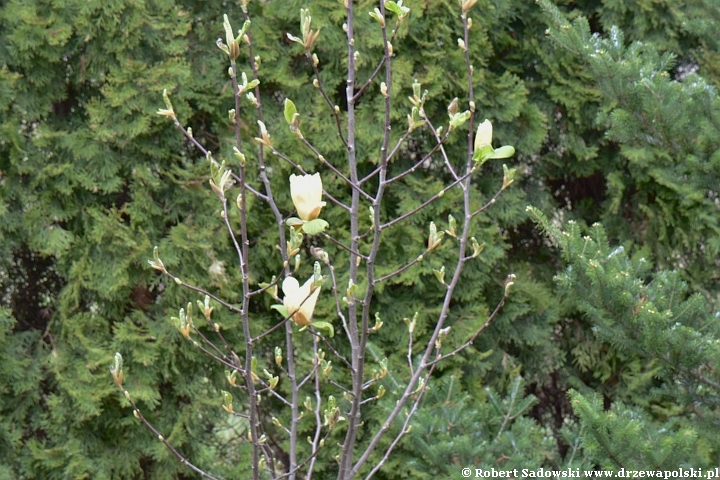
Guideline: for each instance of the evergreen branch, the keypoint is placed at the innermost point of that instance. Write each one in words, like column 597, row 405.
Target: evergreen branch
column 328, row 101
column 159, row 436
column 302, row 170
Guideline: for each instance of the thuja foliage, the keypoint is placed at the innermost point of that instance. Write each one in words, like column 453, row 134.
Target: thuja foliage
column 92, row 179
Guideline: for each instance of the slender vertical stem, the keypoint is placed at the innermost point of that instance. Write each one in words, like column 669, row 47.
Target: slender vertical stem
column 252, row 398
column 445, row 310
column 292, row 377
column 346, row 458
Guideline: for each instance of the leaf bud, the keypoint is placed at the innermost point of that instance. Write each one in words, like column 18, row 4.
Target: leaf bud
column 440, row 274
column 117, row 371
column 435, row 237
column 453, row 107
column 467, row 5
column 378, row 323
column 452, row 223
column 383, row 89
column 327, row 368
column 477, row 248
column 377, row 15
column 239, row 155
column 227, row 401
column 156, row 263
column 509, row 282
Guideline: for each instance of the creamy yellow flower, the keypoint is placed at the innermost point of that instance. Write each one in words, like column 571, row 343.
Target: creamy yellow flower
column 483, row 137
column 306, row 193
column 300, row 301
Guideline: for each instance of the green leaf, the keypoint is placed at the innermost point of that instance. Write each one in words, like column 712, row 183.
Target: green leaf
column 313, row 227
column 503, row 152
column 290, row 110
column 393, row 7
column 483, row 153
column 324, row 326
column 294, row 222
column 281, row 309
column 459, row 119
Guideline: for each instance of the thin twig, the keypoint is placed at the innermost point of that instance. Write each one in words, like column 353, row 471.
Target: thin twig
column 159, row 436
column 302, row 170
column 329, row 102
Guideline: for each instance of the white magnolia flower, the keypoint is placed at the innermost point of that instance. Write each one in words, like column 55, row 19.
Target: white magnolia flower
column 483, row 137
column 300, row 301
column 306, row 192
